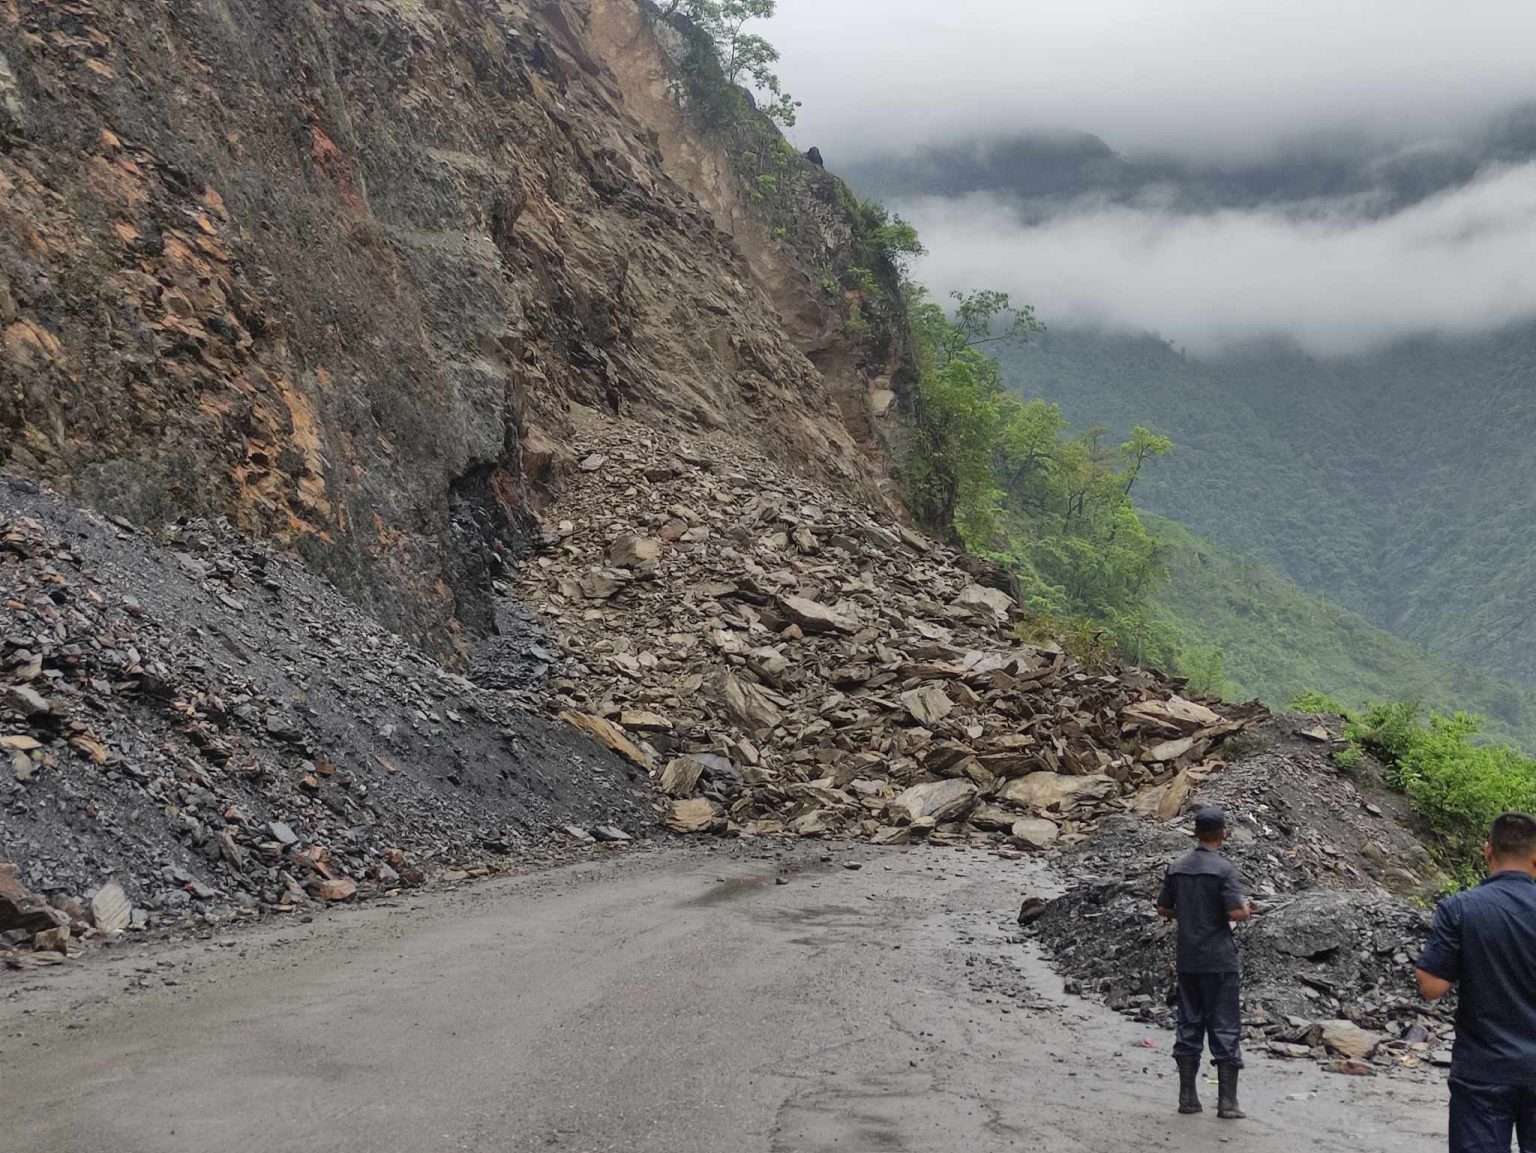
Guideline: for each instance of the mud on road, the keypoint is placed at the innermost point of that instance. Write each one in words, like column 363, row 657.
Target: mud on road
column 681, row 1000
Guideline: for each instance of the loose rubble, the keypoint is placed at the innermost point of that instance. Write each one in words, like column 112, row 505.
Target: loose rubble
column 194, row 728
column 781, row 662
column 1345, row 891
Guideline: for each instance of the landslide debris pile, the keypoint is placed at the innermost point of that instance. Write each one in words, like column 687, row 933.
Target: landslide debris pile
column 194, row 726
column 782, row 662
column 1344, row 887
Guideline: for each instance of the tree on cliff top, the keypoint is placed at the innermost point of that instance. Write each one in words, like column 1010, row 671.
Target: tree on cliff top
column 745, row 58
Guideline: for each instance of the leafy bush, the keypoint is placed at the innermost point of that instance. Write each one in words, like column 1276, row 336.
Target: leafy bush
column 1313, row 701
column 1203, row 668
column 1389, row 730
column 1349, row 757
column 1455, row 784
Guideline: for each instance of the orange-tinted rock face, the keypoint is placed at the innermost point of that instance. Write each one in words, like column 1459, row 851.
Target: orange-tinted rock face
column 325, row 267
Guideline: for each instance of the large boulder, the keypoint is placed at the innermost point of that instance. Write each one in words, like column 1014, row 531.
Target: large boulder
column 1349, row 1039
column 981, row 599
column 698, row 815
column 748, row 705
column 1034, row 833
column 1053, row 790
column 937, row 801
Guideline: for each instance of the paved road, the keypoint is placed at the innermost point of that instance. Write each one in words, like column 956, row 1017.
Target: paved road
column 679, row 1002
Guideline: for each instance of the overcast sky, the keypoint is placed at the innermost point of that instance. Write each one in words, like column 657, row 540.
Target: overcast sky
column 1209, row 80
column 1186, row 75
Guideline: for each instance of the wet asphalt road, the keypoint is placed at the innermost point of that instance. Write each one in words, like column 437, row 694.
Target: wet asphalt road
column 676, row 1002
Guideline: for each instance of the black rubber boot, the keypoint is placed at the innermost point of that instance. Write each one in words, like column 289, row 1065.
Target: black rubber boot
column 1189, row 1098
column 1226, row 1093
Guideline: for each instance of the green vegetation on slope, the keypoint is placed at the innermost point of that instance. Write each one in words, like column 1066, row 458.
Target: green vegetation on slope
column 1003, row 477
column 1457, row 785
column 1276, row 642
column 1396, row 483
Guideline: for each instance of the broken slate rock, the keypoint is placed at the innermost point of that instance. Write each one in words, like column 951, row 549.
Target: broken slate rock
column 1288, row 1049
column 20, row 910
column 26, row 701
column 1165, row 801
column 600, row 584
column 332, row 888
column 927, row 705
column 993, row 818
column 54, row 940
column 747, row 703
column 631, row 551
column 1034, row 833
column 1176, row 714
column 813, row 617
column 681, row 777
column 1052, row 790
column 111, row 911
column 1349, row 1039
column 936, row 800
column 640, row 720
column 698, row 815
column 981, row 599
column 608, row 734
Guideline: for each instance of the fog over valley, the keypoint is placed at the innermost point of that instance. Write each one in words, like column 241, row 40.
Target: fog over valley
column 1206, row 171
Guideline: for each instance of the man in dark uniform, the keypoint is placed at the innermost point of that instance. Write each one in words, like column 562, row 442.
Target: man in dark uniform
column 1484, row 943
column 1203, row 893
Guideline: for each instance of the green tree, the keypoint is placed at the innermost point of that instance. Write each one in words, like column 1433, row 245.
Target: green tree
column 1002, row 477
column 1143, row 446
column 745, row 58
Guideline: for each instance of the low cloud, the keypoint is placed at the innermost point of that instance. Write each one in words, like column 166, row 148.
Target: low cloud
column 1463, row 262
column 1209, row 78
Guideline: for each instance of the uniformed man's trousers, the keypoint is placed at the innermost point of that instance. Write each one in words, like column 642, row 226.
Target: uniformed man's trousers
column 1208, row 1007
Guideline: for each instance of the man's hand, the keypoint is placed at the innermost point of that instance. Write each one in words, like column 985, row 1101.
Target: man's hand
column 1165, row 914
column 1242, row 912
column 1431, row 987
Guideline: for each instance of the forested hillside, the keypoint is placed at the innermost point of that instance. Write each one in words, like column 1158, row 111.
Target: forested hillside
column 1254, row 633
column 1396, row 484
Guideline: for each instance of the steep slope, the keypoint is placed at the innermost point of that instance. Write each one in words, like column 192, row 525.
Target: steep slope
column 1277, row 641
column 1393, row 483
column 337, row 269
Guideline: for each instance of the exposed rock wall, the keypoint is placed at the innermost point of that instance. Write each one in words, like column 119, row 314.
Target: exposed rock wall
column 339, row 268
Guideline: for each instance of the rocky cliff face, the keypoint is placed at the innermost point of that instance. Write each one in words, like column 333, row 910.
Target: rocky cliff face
column 340, row 269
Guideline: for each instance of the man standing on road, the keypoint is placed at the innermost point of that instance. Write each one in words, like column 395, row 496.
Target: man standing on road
column 1484, row 943
column 1202, row 892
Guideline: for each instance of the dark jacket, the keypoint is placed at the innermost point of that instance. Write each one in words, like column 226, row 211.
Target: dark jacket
column 1485, row 940
column 1201, row 888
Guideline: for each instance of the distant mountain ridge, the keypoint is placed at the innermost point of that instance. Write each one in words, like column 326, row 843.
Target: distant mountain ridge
column 1039, row 172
